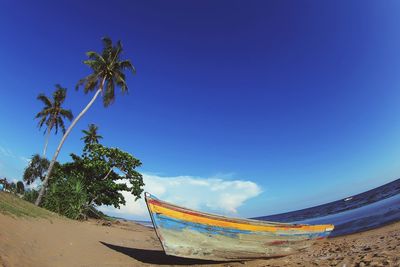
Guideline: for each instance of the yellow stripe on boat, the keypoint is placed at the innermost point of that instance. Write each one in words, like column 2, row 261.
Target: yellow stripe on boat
column 248, row 227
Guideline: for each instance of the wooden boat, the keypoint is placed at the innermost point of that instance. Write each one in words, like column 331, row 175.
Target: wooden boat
column 192, row 234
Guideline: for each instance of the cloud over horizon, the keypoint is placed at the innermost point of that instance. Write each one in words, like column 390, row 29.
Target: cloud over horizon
column 205, row 194
column 11, row 165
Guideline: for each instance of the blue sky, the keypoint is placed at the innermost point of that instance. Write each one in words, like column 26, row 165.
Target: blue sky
column 296, row 103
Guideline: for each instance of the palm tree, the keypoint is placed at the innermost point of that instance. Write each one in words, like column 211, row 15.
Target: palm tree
column 108, row 71
column 52, row 114
column 91, row 136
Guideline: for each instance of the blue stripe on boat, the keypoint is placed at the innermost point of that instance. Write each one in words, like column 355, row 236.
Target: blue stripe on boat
column 162, row 221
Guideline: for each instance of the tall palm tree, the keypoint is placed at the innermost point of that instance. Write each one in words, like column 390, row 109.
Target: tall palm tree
column 91, row 136
column 108, row 72
column 52, row 114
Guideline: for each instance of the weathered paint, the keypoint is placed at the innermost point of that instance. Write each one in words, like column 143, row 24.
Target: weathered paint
column 192, row 234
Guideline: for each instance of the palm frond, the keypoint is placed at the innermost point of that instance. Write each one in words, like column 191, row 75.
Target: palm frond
column 109, row 95
column 120, row 81
column 107, row 43
column 107, row 48
column 44, row 112
column 95, row 57
column 93, row 64
column 89, row 83
column 93, row 128
column 80, row 83
column 127, row 65
column 59, row 95
column 86, row 134
column 41, row 122
column 60, row 122
column 46, row 101
column 67, row 114
column 56, row 126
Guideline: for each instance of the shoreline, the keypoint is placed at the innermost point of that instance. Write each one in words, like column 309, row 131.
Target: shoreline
column 63, row 242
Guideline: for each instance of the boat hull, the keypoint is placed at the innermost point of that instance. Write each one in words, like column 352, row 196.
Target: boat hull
column 192, row 234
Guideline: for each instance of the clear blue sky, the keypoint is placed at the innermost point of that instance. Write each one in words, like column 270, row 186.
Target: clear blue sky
column 300, row 97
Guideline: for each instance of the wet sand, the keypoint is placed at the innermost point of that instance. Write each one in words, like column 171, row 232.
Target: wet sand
column 63, row 242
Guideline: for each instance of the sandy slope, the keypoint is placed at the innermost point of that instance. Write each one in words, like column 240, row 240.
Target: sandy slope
column 62, row 242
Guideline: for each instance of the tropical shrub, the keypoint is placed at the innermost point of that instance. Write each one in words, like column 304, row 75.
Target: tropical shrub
column 67, row 196
column 30, row 195
column 96, row 178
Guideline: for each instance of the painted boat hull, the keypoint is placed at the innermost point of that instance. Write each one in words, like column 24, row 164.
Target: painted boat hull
column 198, row 235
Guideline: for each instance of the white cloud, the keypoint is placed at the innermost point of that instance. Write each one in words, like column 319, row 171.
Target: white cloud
column 206, row 194
column 25, row 159
column 35, row 185
column 6, row 152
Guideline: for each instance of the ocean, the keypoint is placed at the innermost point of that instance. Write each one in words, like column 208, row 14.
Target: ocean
column 365, row 211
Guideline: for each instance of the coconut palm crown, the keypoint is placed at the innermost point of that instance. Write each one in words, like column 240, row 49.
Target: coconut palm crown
column 53, row 115
column 91, row 136
column 108, row 71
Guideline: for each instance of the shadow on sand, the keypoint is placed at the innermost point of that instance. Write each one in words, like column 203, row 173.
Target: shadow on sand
column 156, row 256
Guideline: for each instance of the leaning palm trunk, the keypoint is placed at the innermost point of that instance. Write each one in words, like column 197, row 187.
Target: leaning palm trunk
column 47, row 138
column 46, row 180
column 46, row 142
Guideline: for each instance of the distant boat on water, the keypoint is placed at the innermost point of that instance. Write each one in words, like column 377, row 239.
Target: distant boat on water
column 348, row 198
column 193, row 234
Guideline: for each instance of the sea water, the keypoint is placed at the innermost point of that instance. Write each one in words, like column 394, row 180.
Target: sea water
column 368, row 210
column 360, row 219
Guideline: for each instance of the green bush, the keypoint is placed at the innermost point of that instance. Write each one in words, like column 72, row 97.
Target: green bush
column 31, row 195
column 76, row 188
column 67, row 197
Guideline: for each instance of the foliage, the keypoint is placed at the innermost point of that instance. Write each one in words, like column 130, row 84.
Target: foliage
column 30, row 195
column 108, row 71
column 36, row 169
column 101, row 166
column 20, row 187
column 52, row 114
column 96, row 178
column 91, row 136
column 67, row 197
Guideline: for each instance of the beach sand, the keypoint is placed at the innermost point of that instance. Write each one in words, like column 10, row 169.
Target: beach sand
column 63, row 242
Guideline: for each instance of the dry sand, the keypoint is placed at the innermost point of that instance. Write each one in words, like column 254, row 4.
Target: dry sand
column 62, row 242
